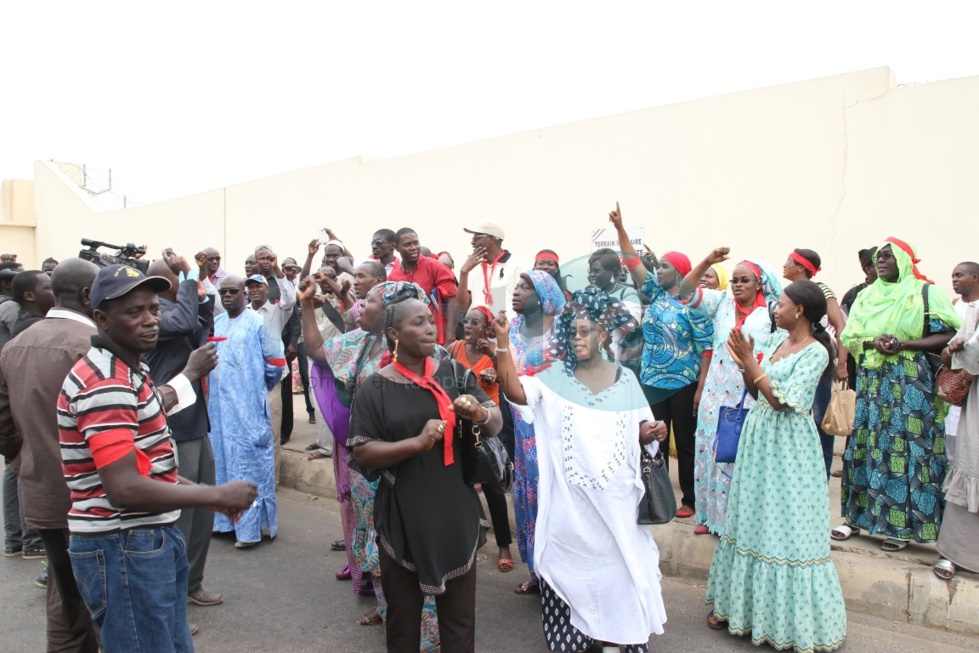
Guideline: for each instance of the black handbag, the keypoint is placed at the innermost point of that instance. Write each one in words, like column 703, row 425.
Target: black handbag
column 658, row 505
column 485, row 460
column 489, row 463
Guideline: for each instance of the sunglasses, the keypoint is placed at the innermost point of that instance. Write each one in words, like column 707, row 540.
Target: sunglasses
column 229, row 291
column 214, row 259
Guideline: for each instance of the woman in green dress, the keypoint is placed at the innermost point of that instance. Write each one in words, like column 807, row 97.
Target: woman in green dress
column 772, row 574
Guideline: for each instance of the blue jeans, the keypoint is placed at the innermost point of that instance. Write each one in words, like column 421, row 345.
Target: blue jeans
column 134, row 582
column 824, row 392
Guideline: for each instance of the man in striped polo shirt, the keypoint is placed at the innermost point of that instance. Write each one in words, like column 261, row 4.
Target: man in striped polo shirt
column 118, row 458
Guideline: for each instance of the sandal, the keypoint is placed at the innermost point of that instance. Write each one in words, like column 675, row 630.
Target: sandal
column 370, row 618
column 527, row 587
column 844, row 532
column 714, row 623
column 890, row 545
column 343, row 574
column 944, row 569
column 503, row 565
column 701, row 529
column 685, row 512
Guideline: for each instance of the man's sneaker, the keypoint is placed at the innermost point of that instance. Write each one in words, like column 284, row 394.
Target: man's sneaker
column 203, row 597
column 34, row 552
column 11, row 551
column 42, row 581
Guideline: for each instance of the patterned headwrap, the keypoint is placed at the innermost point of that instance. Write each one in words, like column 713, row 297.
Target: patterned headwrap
column 392, row 292
column 548, row 292
column 589, row 304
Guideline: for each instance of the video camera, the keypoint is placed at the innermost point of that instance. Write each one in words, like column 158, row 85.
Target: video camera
column 125, row 254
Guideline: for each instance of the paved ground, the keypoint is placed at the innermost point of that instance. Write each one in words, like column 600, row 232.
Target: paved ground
column 281, row 596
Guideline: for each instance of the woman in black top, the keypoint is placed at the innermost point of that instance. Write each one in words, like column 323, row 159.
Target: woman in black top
column 426, row 516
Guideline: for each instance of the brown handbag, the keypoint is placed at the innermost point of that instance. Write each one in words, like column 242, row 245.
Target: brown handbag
column 953, row 385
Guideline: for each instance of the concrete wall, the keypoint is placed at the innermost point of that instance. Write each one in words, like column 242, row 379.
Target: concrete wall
column 832, row 164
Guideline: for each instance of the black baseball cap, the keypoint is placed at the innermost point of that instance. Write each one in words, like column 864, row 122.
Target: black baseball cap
column 114, row 281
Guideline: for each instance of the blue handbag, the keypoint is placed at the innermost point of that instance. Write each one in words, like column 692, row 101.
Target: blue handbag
column 730, row 419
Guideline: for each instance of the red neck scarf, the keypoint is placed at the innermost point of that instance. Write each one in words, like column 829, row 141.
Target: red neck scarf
column 442, row 398
column 743, row 313
column 487, row 277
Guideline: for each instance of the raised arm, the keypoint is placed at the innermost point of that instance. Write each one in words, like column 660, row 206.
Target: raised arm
column 505, row 369
column 692, row 280
column 311, row 330
column 630, row 257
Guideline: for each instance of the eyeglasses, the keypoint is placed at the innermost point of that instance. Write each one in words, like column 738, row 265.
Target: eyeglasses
column 474, row 322
column 214, row 259
column 229, row 291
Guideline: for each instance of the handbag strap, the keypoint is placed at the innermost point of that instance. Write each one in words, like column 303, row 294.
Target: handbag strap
column 744, row 395
column 926, row 330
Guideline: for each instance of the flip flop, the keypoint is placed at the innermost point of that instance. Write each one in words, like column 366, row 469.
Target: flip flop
column 844, row 532
column 701, row 529
column 714, row 623
column 503, row 565
column 685, row 511
column 890, row 545
column 527, row 587
column 370, row 618
column 944, row 569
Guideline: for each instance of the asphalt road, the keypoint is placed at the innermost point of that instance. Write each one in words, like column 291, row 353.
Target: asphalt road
column 282, row 596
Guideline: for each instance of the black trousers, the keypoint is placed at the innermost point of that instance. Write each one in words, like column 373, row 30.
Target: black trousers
column 456, row 609
column 677, row 412
column 286, row 388
column 303, row 362
column 496, row 502
column 70, row 626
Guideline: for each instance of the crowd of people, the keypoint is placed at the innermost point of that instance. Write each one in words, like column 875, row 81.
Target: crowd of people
column 112, row 381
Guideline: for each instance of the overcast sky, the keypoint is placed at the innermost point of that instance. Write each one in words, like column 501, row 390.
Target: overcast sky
column 181, row 97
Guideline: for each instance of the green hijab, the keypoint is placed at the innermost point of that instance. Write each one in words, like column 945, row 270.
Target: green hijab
column 896, row 308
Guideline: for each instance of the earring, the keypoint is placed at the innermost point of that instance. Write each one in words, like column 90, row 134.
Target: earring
column 394, row 355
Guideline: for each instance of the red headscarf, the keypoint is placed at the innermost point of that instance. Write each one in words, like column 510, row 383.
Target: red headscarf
column 743, row 313
column 547, row 254
column 804, row 262
column 914, row 259
column 679, row 261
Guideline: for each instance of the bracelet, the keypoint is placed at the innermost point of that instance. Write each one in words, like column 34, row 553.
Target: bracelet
column 760, row 377
column 502, row 351
column 485, row 421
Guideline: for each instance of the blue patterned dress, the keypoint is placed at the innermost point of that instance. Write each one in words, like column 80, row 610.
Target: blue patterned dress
column 723, row 387
column 772, row 574
column 528, row 354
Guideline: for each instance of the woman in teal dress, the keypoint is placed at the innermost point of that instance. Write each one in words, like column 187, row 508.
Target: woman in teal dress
column 772, row 575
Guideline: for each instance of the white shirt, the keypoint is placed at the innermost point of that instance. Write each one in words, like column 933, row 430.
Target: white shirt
column 275, row 315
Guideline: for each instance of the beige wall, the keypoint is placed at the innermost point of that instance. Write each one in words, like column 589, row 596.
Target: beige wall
column 832, row 164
